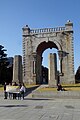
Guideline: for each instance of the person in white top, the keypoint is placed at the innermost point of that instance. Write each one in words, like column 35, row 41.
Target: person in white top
column 22, row 90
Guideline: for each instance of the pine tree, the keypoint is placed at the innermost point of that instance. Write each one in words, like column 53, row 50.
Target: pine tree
column 3, row 64
column 77, row 76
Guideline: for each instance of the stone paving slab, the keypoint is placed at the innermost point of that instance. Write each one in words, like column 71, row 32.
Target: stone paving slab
column 51, row 107
column 40, row 109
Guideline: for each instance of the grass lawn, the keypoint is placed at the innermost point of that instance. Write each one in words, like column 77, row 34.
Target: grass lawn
column 73, row 87
column 69, row 87
column 27, row 86
column 1, row 87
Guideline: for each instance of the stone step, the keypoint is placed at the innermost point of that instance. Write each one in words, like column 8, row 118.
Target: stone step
column 56, row 94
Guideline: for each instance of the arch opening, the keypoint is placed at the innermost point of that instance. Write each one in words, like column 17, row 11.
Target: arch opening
column 45, row 45
column 43, row 51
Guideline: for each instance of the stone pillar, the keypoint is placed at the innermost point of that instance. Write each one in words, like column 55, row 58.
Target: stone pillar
column 52, row 69
column 34, row 68
column 38, row 70
column 17, row 69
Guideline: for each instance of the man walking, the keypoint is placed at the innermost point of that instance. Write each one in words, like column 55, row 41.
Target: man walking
column 5, row 93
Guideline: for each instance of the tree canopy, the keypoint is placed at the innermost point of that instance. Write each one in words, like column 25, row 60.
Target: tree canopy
column 77, row 76
column 3, row 64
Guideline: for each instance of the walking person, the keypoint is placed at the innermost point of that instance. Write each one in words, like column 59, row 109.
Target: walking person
column 5, row 93
column 22, row 90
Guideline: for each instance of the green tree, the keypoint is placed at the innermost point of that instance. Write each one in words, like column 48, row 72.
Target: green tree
column 3, row 64
column 77, row 76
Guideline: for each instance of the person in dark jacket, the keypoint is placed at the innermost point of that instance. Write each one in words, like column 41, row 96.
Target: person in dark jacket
column 5, row 93
column 60, row 88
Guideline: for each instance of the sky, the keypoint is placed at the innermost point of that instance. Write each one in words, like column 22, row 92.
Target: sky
column 15, row 14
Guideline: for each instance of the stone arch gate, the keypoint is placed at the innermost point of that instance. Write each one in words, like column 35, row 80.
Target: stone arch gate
column 36, row 41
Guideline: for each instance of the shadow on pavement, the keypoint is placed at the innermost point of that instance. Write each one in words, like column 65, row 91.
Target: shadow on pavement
column 36, row 99
column 13, row 106
column 29, row 90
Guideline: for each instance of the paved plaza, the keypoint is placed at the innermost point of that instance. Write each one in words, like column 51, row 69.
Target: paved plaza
column 39, row 109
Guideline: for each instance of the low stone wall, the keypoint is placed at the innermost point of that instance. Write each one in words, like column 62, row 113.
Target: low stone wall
column 56, row 94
